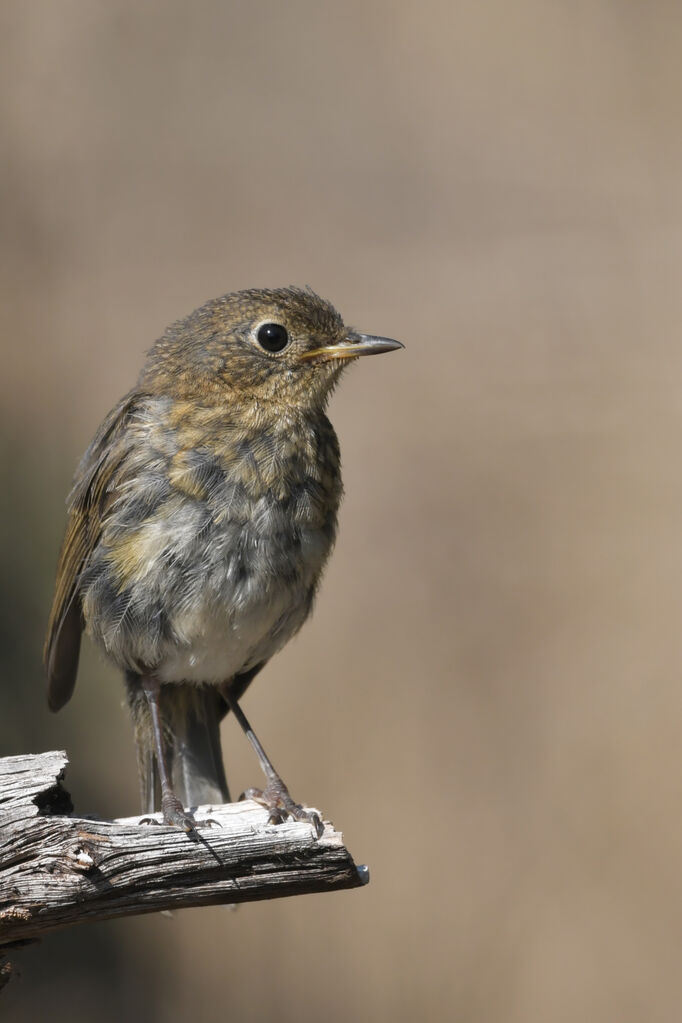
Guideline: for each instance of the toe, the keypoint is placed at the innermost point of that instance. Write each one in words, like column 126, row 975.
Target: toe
column 174, row 814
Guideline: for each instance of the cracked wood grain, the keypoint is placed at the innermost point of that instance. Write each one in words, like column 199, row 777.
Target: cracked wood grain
column 58, row 869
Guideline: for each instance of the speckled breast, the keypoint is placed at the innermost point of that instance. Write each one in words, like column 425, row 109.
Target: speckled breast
column 217, row 532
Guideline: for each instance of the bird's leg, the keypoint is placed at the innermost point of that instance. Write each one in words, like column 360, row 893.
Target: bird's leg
column 172, row 808
column 275, row 796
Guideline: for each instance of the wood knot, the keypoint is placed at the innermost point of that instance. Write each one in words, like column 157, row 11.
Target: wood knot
column 83, row 858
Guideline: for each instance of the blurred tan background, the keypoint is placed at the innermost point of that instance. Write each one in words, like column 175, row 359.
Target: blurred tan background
column 488, row 700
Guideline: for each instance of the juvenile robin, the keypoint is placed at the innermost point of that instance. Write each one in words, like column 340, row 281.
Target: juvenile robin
column 200, row 521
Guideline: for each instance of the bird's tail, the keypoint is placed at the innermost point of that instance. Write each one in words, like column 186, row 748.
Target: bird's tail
column 191, row 717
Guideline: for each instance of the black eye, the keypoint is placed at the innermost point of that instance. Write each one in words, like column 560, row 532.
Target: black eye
column 273, row 337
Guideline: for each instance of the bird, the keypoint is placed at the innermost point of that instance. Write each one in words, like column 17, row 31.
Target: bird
column 200, row 520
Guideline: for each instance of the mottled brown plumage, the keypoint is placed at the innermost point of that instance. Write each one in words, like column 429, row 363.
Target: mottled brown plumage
column 200, row 520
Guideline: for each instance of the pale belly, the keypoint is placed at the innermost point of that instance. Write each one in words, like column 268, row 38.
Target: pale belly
column 216, row 642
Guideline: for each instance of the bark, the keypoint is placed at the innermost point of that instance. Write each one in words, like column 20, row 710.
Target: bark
column 58, row 869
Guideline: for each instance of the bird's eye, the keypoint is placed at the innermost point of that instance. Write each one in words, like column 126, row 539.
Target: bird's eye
column 273, row 337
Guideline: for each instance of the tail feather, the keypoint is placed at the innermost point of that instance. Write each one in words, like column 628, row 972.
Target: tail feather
column 196, row 755
column 191, row 717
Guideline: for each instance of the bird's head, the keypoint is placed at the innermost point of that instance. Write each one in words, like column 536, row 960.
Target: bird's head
column 287, row 346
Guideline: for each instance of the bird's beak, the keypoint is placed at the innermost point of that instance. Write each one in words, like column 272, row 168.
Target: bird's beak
column 354, row 345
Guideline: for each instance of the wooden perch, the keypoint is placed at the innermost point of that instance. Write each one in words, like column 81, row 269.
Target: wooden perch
column 57, row 869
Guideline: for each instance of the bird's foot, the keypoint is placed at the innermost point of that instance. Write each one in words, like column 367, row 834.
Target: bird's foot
column 174, row 813
column 275, row 798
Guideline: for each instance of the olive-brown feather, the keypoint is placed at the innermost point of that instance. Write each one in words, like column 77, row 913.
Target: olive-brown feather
column 88, row 500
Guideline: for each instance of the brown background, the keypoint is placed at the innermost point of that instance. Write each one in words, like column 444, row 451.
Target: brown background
column 488, row 699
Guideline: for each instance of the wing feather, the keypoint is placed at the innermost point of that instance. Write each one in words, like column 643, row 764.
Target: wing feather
column 88, row 501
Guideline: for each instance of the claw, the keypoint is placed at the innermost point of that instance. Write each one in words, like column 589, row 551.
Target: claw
column 174, row 813
column 275, row 798
column 276, row 816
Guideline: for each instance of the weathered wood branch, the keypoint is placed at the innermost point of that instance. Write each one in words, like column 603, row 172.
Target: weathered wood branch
column 57, row 869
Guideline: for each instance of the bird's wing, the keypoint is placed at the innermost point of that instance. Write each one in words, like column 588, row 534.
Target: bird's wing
column 91, row 495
